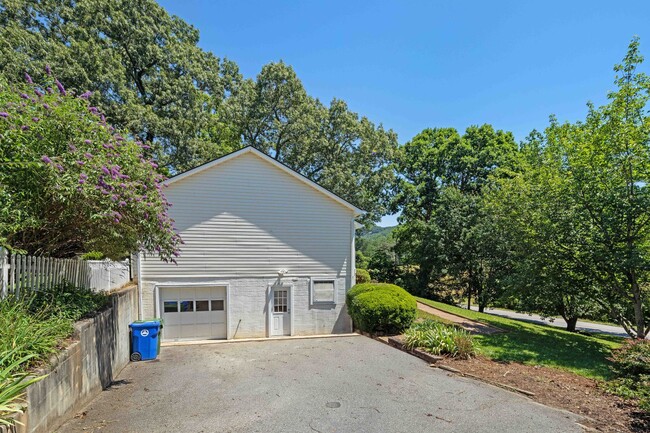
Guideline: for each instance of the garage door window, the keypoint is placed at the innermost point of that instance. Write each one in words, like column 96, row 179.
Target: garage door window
column 217, row 305
column 187, row 306
column 171, row 307
column 202, row 305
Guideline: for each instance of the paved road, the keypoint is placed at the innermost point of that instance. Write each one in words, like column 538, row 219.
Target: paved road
column 559, row 322
column 343, row 384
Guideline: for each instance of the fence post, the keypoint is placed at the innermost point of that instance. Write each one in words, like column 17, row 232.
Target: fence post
column 4, row 264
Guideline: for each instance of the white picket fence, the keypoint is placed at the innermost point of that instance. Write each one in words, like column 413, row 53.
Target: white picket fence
column 21, row 273
column 107, row 275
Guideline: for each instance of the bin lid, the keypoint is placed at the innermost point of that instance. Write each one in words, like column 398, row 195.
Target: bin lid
column 139, row 324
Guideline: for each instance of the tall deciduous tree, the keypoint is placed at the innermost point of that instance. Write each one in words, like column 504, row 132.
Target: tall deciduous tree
column 332, row 145
column 146, row 70
column 606, row 163
column 542, row 237
column 445, row 230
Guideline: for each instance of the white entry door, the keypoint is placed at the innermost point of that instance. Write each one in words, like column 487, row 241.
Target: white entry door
column 281, row 311
column 193, row 313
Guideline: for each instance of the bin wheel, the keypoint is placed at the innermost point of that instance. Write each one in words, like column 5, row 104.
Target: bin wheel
column 136, row 356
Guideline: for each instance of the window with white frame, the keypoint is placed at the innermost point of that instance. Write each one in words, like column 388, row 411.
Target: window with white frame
column 323, row 291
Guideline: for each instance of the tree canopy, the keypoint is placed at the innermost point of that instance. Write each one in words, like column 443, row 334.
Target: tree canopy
column 151, row 78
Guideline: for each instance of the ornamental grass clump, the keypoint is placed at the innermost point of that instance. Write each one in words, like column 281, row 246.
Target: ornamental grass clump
column 13, row 385
column 440, row 339
column 29, row 335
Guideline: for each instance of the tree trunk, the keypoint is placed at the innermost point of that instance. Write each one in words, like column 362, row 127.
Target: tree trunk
column 639, row 319
column 481, row 307
column 571, row 324
column 638, row 313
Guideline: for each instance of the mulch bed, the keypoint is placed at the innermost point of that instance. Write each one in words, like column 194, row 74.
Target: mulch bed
column 560, row 389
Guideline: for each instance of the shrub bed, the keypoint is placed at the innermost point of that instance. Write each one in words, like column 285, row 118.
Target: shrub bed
column 34, row 327
column 380, row 307
column 440, row 339
column 631, row 364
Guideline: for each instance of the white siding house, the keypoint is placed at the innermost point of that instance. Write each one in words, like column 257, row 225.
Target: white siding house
column 267, row 252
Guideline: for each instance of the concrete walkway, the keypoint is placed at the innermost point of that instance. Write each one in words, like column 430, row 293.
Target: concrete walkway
column 558, row 322
column 344, row 385
column 469, row 325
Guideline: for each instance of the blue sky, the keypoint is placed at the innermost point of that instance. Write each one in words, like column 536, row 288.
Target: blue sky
column 416, row 64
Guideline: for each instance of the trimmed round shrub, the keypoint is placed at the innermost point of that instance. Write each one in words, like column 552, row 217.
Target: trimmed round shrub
column 381, row 307
column 363, row 276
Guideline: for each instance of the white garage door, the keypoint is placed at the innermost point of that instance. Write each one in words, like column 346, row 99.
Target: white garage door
column 193, row 313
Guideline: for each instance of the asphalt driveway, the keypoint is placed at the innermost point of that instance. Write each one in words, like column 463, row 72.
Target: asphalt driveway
column 343, row 384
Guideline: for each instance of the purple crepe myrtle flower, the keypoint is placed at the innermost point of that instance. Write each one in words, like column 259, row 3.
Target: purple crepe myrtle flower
column 102, row 118
column 72, row 147
column 88, row 155
column 38, row 93
column 46, row 159
column 24, row 95
column 83, row 176
column 93, row 110
column 59, row 167
column 122, row 203
column 122, row 185
column 48, row 70
column 60, row 87
column 81, row 163
column 46, row 106
column 28, row 78
column 113, row 197
column 4, row 114
column 24, row 128
column 88, row 141
column 35, row 119
column 105, row 170
column 86, row 95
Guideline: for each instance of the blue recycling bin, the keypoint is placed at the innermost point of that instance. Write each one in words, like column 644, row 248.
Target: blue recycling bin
column 145, row 339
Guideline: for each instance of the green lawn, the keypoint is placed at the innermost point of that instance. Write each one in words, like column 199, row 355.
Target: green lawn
column 533, row 344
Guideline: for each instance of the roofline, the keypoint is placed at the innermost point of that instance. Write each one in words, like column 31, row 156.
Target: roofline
column 278, row 164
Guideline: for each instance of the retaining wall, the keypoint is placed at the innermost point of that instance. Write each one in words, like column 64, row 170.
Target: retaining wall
column 87, row 366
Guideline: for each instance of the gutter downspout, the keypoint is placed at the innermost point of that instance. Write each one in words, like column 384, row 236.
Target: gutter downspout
column 140, row 306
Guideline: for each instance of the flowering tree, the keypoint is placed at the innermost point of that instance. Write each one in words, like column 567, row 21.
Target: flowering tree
column 70, row 183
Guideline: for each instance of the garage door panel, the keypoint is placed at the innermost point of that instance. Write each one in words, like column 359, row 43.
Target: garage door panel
column 193, row 312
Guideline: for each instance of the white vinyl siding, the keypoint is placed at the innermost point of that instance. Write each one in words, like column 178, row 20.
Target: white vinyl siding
column 246, row 217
